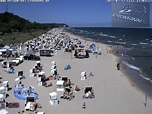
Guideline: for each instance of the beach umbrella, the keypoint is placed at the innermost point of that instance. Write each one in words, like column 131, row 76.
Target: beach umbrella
column 81, row 45
column 6, row 47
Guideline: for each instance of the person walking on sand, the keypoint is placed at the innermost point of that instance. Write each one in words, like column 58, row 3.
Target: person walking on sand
column 118, row 66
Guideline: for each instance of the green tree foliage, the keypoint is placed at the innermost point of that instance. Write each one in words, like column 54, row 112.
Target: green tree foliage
column 15, row 29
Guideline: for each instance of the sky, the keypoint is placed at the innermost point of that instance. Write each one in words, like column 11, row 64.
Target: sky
column 75, row 13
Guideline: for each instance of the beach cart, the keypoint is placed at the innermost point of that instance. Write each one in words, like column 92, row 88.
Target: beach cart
column 83, row 75
column 30, row 104
column 88, row 92
column 53, row 98
column 60, row 85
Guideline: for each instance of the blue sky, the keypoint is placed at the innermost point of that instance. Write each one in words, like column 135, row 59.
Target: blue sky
column 72, row 12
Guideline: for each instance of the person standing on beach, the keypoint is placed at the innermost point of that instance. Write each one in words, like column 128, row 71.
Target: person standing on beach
column 118, row 66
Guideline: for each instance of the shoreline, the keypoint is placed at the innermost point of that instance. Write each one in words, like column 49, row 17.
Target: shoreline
column 111, row 50
column 138, row 84
column 137, row 81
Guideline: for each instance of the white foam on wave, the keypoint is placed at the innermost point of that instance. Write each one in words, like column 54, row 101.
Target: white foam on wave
column 133, row 44
column 109, row 41
column 103, row 34
column 112, row 36
column 121, row 42
column 136, row 68
column 131, row 66
column 148, row 79
column 143, row 43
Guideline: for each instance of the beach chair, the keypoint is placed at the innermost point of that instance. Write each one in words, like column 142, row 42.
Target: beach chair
column 40, row 113
column 30, row 104
column 15, row 62
column 41, row 78
column 31, row 73
column 21, row 58
column 3, row 91
column 20, row 74
column 2, row 101
column 3, row 111
column 53, row 67
column 70, row 91
column 53, row 98
column 88, row 92
column 4, row 64
column 53, row 63
column 83, row 75
column 39, row 81
column 18, row 83
column 54, row 73
column 5, row 84
column 64, row 78
column 60, row 85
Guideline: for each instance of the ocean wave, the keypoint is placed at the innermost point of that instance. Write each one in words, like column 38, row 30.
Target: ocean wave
column 148, row 79
column 112, row 36
column 120, row 42
column 109, row 41
column 131, row 66
column 134, row 44
column 143, row 43
column 103, row 34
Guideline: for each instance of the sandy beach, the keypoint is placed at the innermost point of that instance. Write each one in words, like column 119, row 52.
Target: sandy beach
column 114, row 92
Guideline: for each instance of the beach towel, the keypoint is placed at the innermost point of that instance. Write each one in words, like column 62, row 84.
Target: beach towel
column 13, row 105
column 10, row 71
column 67, row 67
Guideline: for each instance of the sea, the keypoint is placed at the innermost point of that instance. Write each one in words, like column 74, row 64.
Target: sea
column 134, row 50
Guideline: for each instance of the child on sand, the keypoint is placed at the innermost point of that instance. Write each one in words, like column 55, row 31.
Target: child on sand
column 83, row 106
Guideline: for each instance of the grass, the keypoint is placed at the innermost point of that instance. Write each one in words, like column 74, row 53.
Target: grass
column 20, row 37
